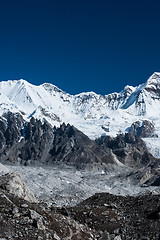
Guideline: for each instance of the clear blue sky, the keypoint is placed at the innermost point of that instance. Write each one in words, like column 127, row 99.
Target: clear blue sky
column 80, row 45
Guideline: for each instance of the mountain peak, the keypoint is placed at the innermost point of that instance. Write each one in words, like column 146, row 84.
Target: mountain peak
column 22, row 81
column 154, row 79
column 155, row 74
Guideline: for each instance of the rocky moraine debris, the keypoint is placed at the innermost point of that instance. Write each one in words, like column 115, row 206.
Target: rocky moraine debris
column 122, row 218
column 20, row 219
column 102, row 216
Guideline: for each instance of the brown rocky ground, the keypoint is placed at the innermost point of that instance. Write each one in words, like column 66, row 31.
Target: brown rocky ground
column 102, row 216
column 126, row 218
column 20, row 219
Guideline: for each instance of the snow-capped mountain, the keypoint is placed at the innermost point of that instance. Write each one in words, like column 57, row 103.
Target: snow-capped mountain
column 93, row 114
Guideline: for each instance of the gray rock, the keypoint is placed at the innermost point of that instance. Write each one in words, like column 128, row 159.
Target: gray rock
column 15, row 210
column 142, row 129
column 24, row 221
column 38, row 220
column 116, row 231
column 118, row 238
column 56, row 236
column 24, row 205
column 105, row 236
column 39, row 238
column 34, row 215
column 13, row 183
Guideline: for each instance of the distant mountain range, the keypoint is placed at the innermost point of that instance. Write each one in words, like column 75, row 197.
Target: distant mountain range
column 91, row 113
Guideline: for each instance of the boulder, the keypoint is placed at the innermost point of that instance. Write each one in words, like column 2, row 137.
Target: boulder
column 13, row 183
column 38, row 220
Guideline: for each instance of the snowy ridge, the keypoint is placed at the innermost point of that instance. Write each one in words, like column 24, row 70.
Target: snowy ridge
column 92, row 113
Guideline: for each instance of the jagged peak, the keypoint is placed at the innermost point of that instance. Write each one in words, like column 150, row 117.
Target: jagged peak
column 128, row 87
column 154, row 79
column 127, row 90
column 155, row 74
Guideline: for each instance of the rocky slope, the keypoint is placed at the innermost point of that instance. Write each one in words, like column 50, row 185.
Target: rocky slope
column 72, row 146
column 20, row 219
column 129, row 150
column 124, row 218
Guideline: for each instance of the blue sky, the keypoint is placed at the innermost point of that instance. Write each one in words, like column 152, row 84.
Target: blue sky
column 80, row 45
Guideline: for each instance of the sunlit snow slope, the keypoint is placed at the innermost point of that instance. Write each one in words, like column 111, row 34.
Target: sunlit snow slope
column 91, row 113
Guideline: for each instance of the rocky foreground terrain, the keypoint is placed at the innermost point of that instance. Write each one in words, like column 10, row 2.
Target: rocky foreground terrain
column 102, row 216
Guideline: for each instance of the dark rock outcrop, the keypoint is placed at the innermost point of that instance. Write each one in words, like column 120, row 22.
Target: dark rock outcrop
column 142, row 129
column 37, row 142
column 154, row 179
column 129, row 149
column 10, row 130
column 72, row 146
column 23, row 141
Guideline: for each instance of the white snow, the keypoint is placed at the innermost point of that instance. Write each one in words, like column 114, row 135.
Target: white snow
column 153, row 145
